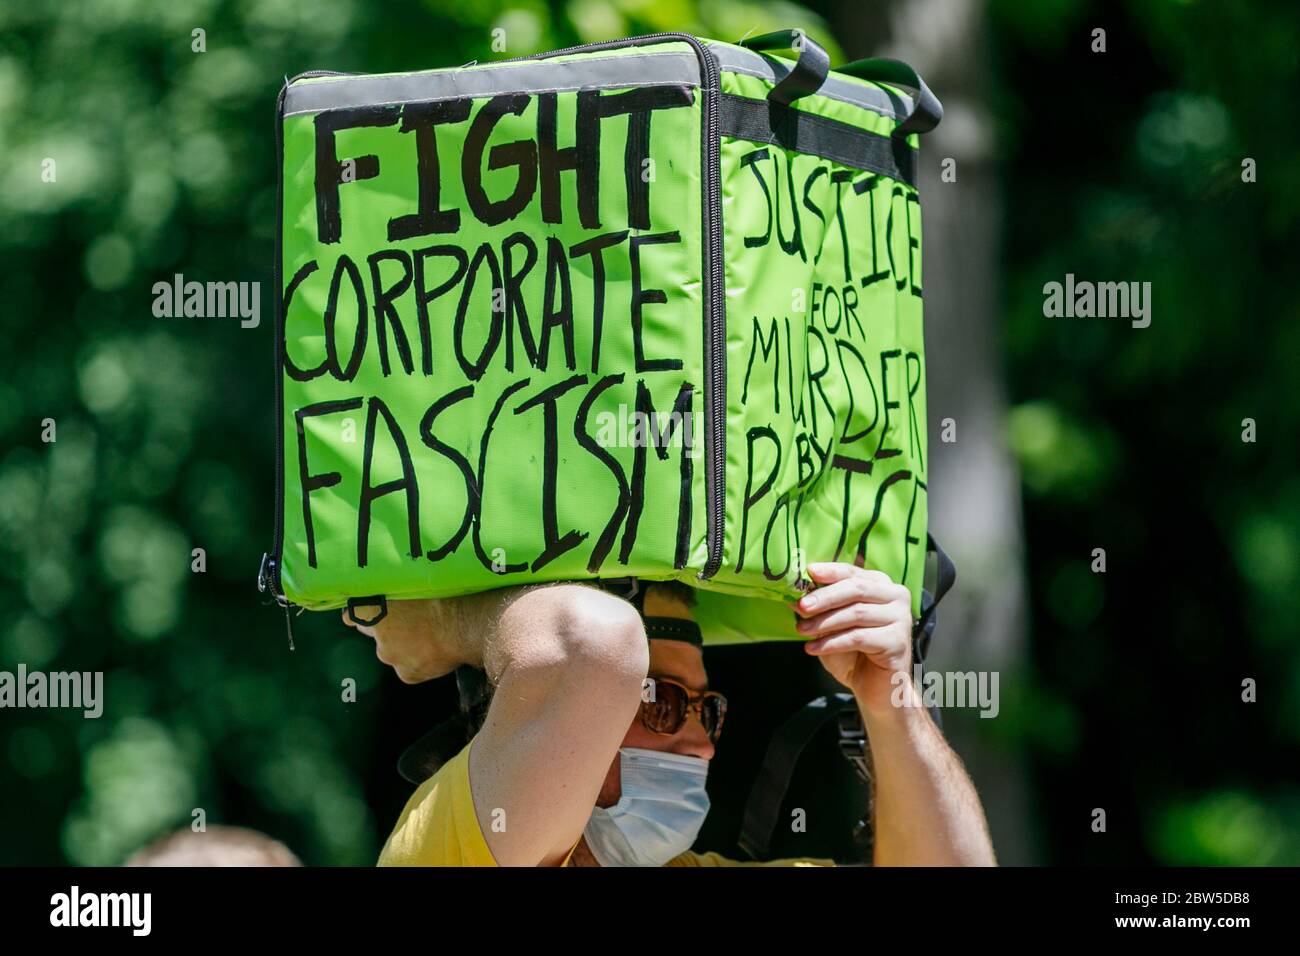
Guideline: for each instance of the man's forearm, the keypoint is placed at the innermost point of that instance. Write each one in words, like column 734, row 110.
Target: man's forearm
column 927, row 812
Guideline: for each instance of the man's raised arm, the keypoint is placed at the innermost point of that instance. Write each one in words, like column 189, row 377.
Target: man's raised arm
column 567, row 663
column 927, row 812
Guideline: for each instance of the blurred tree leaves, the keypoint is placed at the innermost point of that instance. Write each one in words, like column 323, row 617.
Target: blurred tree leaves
column 162, row 161
column 1122, row 166
column 1127, row 166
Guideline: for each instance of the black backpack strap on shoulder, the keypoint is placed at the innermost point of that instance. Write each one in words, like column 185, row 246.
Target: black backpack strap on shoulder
column 857, row 751
column 923, row 630
column 422, row 759
column 474, row 688
column 773, row 782
column 768, row 792
column 945, row 578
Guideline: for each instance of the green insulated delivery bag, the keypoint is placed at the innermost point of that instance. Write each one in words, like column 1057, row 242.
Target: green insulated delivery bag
column 645, row 308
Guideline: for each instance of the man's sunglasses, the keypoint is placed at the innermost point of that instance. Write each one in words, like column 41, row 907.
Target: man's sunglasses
column 673, row 703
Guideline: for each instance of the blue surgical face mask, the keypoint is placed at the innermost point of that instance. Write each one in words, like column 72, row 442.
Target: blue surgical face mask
column 659, row 815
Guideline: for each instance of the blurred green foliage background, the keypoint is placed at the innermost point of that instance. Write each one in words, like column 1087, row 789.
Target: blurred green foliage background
column 1129, row 695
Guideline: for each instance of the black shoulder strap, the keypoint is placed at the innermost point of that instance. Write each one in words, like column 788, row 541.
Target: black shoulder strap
column 945, row 577
column 788, row 743
column 783, row 752
column 422, row 759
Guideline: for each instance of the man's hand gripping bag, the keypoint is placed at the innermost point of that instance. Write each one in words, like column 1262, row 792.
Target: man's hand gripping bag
column 645, row 308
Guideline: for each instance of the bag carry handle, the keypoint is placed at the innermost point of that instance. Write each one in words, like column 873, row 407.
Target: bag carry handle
column 927, row 111
column 806, row 76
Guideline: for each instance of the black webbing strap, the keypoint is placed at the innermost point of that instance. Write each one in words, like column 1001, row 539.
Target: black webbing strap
column 673, row 629
column 421, row 760
column 927, row 111
column 923, row 629
column 773, row 781
column 761, row 122
column 806, row 76
column 945, row 578
column 472, row 684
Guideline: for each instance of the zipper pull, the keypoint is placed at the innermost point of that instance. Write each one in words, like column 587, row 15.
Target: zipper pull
column 264, row 585
column 264, row 573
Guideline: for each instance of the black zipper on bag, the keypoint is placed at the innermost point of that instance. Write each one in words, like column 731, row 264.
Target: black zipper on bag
column 268, row 572
column 268, row 577
column 715, row 324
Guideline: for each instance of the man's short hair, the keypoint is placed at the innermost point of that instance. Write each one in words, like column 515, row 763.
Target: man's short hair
column 678, row 591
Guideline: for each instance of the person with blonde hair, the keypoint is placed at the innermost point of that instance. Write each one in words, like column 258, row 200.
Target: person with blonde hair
column 214, row 846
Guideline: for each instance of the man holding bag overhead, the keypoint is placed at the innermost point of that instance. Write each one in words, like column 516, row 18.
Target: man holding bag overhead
column 572, row 766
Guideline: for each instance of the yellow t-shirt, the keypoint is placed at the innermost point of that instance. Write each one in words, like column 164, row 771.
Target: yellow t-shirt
column 438, row 827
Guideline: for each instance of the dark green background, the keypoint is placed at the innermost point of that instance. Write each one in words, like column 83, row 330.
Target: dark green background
column 1128, row 166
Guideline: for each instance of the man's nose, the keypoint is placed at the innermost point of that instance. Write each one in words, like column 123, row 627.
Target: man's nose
column 347, row 618
column 693, row 740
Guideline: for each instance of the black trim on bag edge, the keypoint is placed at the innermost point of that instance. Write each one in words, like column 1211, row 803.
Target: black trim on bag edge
column 764, row 122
